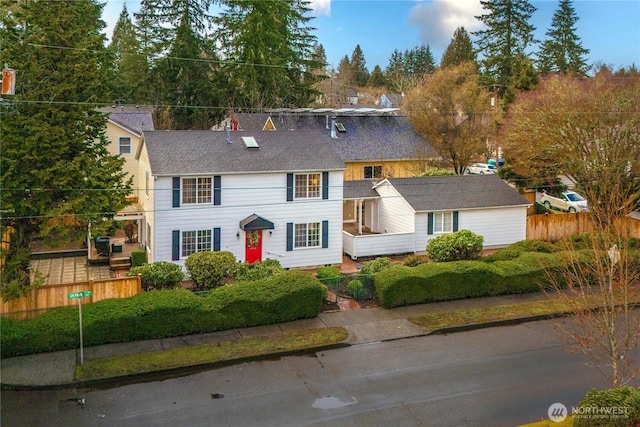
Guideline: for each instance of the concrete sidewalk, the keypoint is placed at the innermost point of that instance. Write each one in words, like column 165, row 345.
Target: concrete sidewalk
column 56, row 370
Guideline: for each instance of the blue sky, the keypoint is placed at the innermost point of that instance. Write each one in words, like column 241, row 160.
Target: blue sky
column 610, row 29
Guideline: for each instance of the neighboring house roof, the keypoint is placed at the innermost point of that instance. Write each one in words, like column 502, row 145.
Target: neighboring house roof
column 391, row 99
column 359, row 189
column 437, row 193
column 367, row 137
column 207, row 152
column 134, row 119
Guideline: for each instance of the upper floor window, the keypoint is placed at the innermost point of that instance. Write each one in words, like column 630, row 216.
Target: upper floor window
column 196, row 190
column 371, row 172
column 443, row 222
column 307, row 186
column 124, row 145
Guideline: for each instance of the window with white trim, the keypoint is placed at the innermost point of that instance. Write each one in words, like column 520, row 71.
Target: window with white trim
column 307, row 235
column 442, row 222
column 124, row 145
column 371, row 172
column 196, row 241
column 307, row 186
column 196, row 190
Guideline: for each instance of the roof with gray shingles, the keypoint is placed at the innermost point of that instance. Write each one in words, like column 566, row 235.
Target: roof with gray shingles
column 135, row 119
column 368, row 137
column 206, row 152
column 436, row 193
column 360, row 189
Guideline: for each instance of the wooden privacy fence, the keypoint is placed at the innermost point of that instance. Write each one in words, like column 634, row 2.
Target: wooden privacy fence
column 51, row 296
column 553, row 227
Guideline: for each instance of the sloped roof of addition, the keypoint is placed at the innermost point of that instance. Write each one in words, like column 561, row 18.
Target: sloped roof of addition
column 206, row 152
column 366, row 137
column 135, row 119
column 359, row 189
column 439, row 193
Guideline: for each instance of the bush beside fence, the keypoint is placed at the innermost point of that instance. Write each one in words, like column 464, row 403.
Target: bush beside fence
column 162, row 314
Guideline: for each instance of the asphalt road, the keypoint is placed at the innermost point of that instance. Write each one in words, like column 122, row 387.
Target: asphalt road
column 502, row 376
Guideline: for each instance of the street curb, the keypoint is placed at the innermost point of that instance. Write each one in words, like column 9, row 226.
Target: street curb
column 164, row 374
column 508, row 322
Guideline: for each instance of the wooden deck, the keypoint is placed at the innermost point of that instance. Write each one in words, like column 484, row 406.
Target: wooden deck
column 119, row 253
column 352, row 228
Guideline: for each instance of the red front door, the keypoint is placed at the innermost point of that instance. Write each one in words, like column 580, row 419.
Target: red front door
column 253, row 245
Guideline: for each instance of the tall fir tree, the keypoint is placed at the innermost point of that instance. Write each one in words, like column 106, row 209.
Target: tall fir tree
column 55, row 167
column 460, row 49
column 376, row 79
column 504, row 43
column 562, row 50
column 359, row 67
column 268, row 48
column 345, row 73
column 129, row 66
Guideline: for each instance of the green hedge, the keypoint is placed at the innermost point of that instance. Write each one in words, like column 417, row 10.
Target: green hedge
column 618, row 407
column 401, row 285
column 166, row 313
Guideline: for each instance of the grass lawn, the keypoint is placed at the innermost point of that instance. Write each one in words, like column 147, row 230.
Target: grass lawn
column 153, row 361
column 434, row 321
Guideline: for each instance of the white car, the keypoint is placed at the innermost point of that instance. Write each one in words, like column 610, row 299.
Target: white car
column 481, row 169
column 567, row 201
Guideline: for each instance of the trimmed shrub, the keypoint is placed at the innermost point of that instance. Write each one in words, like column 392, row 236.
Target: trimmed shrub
column 596, row 408
column 441, row 281
column 159, row 275
column 458, row 246
column 375, row 266
column 166, row 313
column 138, row 258
column 355, row 288
column 264, row 270
column 209, row 269
column 516, row 249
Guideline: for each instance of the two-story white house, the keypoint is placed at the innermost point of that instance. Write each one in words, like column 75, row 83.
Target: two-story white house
column 259, row 196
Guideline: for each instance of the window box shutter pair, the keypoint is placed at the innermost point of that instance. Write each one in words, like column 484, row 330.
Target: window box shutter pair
column 175, row 243
column 324, row 235
column 217, row 191
column 430, row 222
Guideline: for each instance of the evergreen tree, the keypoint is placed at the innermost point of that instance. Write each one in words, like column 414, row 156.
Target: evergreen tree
column 359, row 67
column 376, row 79
column 129, row 66
column 459, row 50
column 268, row 47
column 55, row 167
column 562, row 51
column 345, row 72
column 504, row 43
column 319, row 56
column 394, row 69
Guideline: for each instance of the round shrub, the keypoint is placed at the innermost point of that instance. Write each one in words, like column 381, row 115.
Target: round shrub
column 414, row 260
column 514, row 250
column 210, row 269
column 597, row 404
column 159, row 275
column 375, row 266
column 458, row 246
column 263, row 270
column 327, row 273
column 355, row 288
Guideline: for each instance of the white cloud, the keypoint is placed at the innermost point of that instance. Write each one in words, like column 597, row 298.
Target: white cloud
column 320, row 7
column 438, row 20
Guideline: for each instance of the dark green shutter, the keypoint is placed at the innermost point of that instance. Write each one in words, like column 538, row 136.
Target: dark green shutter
column 216, row 239
column 217, row 190
column 455, row 221
column 430, row 223
column 289, row 236
column 175, row 245
column 325, row 185
column 176, row 191
column 289, row 187
column 325, row 234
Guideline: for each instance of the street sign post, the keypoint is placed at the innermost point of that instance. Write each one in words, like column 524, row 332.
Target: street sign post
column 79, row 296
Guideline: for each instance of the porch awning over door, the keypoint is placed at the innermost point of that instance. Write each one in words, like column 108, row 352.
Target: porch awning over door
column 255, row 222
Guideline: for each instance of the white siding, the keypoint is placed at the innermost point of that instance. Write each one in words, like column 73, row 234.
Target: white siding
column 394, row 213
column 499, row 226
column 241, row 196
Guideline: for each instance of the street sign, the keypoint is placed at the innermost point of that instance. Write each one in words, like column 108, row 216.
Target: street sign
column 80, row 294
